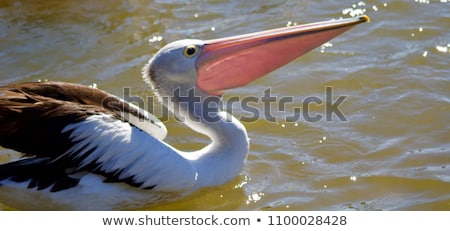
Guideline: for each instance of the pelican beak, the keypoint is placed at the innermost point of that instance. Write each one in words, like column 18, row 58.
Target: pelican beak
column 236, row 61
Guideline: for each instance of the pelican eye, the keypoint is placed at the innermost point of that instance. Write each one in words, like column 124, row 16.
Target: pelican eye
column 190, row 51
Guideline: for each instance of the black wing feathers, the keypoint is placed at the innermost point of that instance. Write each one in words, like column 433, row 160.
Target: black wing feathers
column 42, row 172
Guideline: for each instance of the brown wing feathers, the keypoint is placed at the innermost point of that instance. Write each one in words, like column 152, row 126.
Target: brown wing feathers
column 32, row 115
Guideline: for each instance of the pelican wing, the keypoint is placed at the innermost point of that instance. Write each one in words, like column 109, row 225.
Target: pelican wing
column 24, row 108
column 66, row 130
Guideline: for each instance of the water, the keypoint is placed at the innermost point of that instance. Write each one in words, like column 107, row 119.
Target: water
column 393, row 151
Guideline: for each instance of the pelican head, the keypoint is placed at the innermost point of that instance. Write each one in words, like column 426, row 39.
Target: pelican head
column 214, row 66
column 208, row 68
column 174, row 67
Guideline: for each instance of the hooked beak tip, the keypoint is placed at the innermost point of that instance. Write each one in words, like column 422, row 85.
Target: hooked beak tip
column 365, row 18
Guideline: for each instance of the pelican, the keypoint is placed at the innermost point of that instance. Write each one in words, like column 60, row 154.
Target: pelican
column 85, row 149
